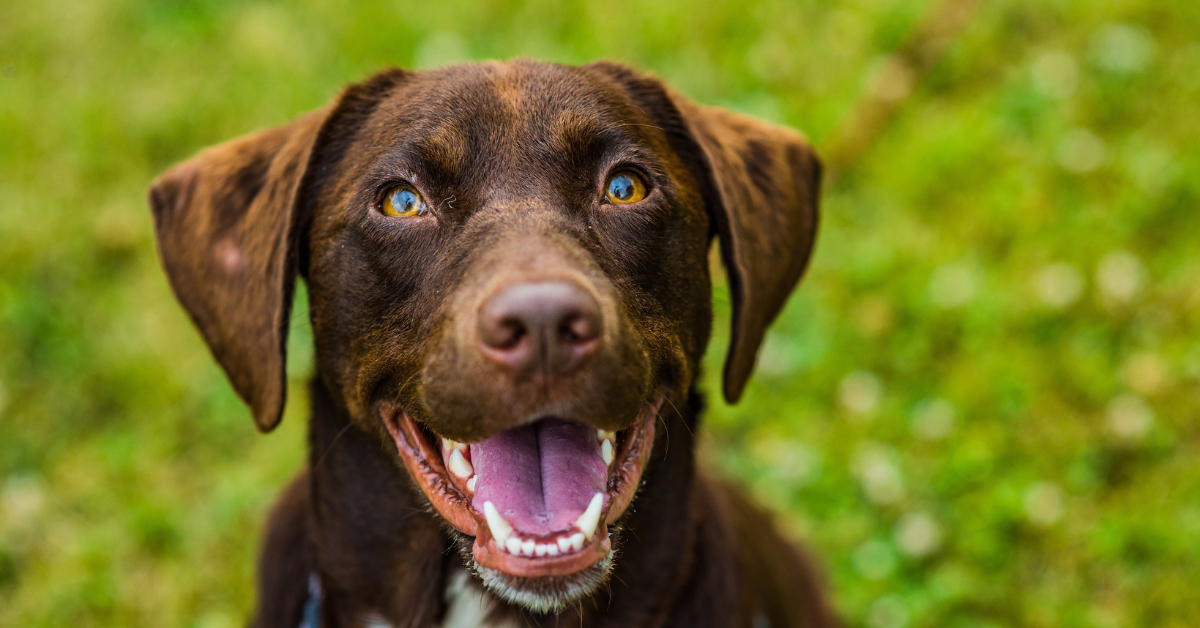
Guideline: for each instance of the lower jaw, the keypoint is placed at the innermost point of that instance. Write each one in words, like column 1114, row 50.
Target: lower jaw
column 488, row 555
column 548, row 594
column 562, row 573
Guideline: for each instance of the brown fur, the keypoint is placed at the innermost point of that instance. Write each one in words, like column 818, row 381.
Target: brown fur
column 511, row 158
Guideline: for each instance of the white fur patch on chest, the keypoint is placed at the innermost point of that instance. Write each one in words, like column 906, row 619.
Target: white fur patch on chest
column 375, row 621
column 468, row 605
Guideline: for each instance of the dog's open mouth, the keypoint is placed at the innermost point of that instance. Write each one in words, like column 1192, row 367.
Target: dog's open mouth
column 537, row 498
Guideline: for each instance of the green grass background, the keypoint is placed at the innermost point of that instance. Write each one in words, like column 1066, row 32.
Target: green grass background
column 979, row 409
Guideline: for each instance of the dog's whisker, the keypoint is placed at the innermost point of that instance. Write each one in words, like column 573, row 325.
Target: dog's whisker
column 680, row 415
column 332, row 443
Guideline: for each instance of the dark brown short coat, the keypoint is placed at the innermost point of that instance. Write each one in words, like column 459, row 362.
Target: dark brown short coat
column 508, row 156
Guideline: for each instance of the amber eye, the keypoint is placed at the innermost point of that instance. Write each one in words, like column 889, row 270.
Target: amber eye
column 625, row 187
column 403, row 201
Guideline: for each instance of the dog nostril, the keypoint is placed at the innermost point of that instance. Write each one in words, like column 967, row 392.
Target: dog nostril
column 509, row 334
column 501, row 332
column 579, row 328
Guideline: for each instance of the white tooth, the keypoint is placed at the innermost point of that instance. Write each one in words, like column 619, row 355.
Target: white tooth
column 552, row 549
column 501, row 529
column 540, row 550
column 527, row 547
column 459, row 465
column 577, row 540
column 564, row 544
column 471, row 483
column 513, row 545
column 606, row 451
column 448, row 444
column 591, row 517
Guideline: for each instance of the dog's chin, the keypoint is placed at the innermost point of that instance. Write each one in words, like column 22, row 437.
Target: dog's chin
column 544, row 594
column 534, row 507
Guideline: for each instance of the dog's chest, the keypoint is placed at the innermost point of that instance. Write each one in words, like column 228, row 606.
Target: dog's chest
column 468, row 606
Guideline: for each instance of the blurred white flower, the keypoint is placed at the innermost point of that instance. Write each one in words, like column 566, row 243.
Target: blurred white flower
column 933, row 419
column 891, row 79
column 874, row 560
column 952, row 285
column 21, row 498
column 918, row 534
column 1055, row 74
column 1058, row 285
column 774, row 358
column 1044, row 503
column 888, row 611
column 1123, row 47
column 875, row 467
column 1145, row 372
column 1129, row 418
column 789, row 459
column 1120, row 276
column 1081, row 151
column 860, row 392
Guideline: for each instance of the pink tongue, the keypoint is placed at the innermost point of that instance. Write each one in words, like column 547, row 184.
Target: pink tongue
column 540, row 477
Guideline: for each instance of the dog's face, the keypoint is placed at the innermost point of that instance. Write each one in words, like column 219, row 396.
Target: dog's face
column 507, row 270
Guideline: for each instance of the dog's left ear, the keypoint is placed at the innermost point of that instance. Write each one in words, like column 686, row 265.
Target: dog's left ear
column 761, row 183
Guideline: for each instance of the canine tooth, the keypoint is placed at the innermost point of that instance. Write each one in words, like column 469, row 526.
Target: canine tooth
column 471, row 483
column 605, row 435
column 513, row 545
column 606, row 451
column 527, row 547
column 448, row 444
column 552, row 549
column 501, row 529
column 564, row 544
column 459, row 465
column 577, row 540
column 590, row 517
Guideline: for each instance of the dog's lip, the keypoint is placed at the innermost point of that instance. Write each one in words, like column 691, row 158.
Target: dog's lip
column 424, row 464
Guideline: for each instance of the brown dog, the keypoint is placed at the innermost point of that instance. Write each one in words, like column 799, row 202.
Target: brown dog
column 508, row 276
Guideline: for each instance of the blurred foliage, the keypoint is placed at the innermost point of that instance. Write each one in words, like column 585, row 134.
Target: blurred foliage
column 979, row 409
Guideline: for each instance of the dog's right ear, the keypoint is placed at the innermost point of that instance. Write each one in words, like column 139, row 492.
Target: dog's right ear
column 228, row 224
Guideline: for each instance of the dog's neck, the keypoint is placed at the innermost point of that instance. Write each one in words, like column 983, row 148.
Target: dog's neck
column 381, row 552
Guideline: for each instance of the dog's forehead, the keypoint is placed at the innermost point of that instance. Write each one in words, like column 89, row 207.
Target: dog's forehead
column 501, row 104
column 515, row 91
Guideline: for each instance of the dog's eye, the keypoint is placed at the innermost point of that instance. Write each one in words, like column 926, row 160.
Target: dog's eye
column 403, row 201
column 625, row 187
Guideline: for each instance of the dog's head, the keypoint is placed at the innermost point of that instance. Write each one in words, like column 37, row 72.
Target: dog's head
column 508, row 277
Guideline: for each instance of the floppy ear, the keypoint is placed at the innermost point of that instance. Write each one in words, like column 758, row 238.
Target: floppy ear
column 766, row 181
column 226, row 223
column 761, row 183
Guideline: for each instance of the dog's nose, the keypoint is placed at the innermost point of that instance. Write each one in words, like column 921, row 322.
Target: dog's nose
column 546, row 327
